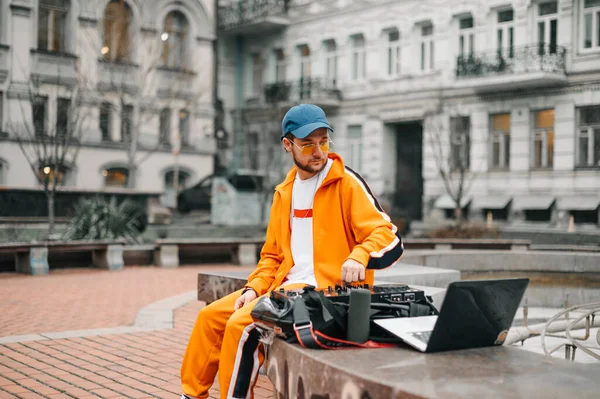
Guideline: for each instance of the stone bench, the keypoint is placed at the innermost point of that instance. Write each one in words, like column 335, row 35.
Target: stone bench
column 242, row 251
column 32, row 258
column 403, row 372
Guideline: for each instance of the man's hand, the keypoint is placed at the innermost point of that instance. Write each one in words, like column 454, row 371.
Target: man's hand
column 352, row 271
column 245, row 299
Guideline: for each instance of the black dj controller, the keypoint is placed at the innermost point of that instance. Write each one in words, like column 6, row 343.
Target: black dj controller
column 381, row 293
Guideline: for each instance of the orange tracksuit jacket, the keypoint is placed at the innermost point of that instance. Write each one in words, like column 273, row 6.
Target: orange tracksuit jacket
column 348, row 223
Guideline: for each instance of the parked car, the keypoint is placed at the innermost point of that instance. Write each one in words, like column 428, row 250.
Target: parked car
column 198, row 196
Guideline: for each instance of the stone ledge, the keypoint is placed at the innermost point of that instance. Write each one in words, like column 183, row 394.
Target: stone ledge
column 493, row 372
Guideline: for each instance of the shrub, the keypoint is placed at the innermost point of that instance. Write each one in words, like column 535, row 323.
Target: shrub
column 98, row 219
column 464, row 230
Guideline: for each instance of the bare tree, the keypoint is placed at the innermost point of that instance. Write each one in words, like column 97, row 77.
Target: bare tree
column 448, row 136
column 160, row 77
column 51, row 149
column 264, row 153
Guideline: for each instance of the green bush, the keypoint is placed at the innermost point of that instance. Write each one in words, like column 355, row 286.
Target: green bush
column 464, row 230
column 98, row 219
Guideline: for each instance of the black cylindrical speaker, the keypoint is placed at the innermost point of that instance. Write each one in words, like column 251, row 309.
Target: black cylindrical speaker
column 359, row 314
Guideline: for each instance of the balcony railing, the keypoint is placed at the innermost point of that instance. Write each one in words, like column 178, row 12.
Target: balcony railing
column 541, row 57
column 317, row 90
column 248, row 12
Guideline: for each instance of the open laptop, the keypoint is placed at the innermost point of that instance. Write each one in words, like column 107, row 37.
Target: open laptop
column 474, row 314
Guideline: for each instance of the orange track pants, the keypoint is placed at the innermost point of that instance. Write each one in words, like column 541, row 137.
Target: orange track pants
column 226, row 341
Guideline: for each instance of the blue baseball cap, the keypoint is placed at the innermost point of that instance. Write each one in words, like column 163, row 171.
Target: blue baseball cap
column 303, row 119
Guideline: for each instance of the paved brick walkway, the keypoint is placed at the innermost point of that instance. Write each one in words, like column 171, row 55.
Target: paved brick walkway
column 130, row 365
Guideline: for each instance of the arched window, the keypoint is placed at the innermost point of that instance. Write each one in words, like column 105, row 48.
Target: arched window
column 52, row 25
column 174, row 37
column 117, row 20
column 183, row 178
column 49, row 172
column 115, row 177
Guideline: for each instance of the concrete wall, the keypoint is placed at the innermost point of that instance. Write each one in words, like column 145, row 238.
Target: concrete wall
column 552, row 275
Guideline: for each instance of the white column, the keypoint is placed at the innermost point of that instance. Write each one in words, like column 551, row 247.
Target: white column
column 564, row 140
column 520, row 139
column 21, row 42
column 372, row 154
column 479, row 141
column 17, row 105
column 115, row 122
column 521, row 33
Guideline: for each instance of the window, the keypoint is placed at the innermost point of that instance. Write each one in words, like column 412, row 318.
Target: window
column 184, row 127
column 115, row 177
column 39, row 115
column 357, row 57
column 257, row 75
column 126, row 123
column 304, row 51
column 305, row 72
column 253, row 146
column 330, row 64
column 52, row 18
column 588, row 148
column 393, row 53
column 543, row 139
column 354, row 147
column 105, row 121
column 591, row 24
column 62, row 117
column 117, row 18
column 460, row 142
column 505, row 34
column 174, row 40
column 547, row 28
column 165, row 126
column 427, row 57
column 500, row 141
column 279, row 66
column 48, row 172
column 466, row 36
column 170, row 179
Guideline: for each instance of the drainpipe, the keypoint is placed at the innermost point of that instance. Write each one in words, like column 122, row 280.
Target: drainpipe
column 215, row 91
column 238, row 132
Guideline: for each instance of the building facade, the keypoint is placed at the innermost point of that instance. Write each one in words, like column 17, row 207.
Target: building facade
column 514, row 85
column 129, row 82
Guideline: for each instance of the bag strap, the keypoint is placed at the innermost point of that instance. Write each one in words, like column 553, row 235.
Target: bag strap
column 309, row 338
column 328, row 309
column 303, row 326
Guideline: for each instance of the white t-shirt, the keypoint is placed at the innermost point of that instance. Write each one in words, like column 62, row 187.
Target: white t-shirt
column 303, row 194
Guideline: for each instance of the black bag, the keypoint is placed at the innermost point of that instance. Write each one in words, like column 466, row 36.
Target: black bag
column 315, row 321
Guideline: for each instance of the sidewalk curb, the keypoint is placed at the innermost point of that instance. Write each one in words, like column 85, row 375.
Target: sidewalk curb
column 156, row 316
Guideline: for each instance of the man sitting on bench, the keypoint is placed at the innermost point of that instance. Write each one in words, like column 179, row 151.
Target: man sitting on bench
column 325, row 227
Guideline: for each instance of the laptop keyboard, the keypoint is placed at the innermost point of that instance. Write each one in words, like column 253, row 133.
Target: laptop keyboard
column 422, row 336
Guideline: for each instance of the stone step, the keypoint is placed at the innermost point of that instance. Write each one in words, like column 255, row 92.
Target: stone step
column 415, row 274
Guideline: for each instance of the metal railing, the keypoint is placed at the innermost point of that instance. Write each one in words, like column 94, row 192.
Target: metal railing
column 245, row 12
column 584, row 317
column 540, row 57
column 301, row 90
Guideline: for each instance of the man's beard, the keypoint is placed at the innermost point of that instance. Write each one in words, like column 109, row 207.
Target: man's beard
column 308, row 167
